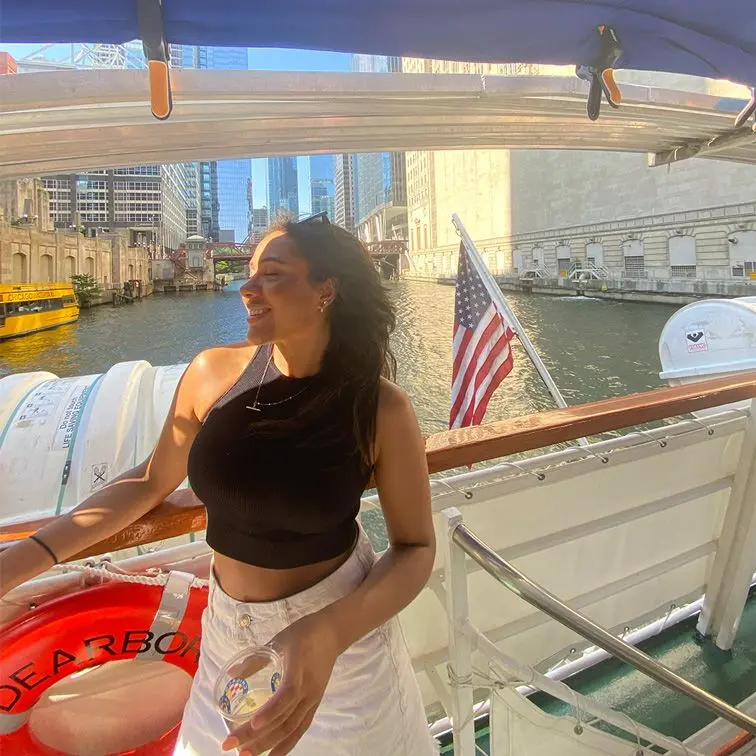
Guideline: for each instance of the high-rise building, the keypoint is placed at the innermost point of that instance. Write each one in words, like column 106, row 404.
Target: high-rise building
column 233, row 209
column 260, row 217
column 322, row 187
column 259, row 224
column 344, row 191
column 437, row 186
column 380, row 196
column 151, row 204
column 194, row 198
column 374, row 184
column 283, row 187
column 322, row 197
column 208, row 181
column 500, row 196
column 148, row 203
column 228, row 190
column 380, row 178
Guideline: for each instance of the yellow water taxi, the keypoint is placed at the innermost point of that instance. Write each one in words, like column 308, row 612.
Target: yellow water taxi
column 26, row 308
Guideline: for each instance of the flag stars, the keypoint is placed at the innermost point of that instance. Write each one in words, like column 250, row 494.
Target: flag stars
column 472, row 299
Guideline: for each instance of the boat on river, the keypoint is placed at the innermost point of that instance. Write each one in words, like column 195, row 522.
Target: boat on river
column 553, row 556
column 28, row 308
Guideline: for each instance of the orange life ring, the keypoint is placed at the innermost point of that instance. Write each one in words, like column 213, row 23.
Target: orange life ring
column 104, row 623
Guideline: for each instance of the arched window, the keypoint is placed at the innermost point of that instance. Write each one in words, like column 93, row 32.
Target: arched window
column 635, row 264
column 682, row 256
column 564, row 259
column 20, row 268
column 46, row 268
column 69, row 267
column 517, row 260
column 594, row 254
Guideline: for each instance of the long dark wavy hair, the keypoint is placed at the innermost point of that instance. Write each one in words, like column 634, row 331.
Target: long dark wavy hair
column 361, row 319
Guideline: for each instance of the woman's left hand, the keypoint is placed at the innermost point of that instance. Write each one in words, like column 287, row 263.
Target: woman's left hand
column 309, row 651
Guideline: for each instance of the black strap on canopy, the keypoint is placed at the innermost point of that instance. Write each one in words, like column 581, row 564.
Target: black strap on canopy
column 155, row 47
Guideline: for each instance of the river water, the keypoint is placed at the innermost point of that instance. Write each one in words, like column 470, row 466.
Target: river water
column 593, row 348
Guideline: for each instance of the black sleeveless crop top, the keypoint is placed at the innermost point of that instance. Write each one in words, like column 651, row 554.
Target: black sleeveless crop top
column 272, row 502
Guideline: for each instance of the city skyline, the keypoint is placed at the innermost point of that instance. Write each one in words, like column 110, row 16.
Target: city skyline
column 258, row 59
column 233, row 176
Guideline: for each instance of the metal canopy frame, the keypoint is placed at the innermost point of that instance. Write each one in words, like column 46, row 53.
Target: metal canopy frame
column 74, row 120
column 743, row 137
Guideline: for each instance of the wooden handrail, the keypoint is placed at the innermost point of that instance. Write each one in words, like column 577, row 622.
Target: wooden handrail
column 465, row 446
column 733, row 746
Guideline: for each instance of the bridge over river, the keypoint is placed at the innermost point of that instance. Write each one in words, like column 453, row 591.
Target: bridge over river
column 387, row 255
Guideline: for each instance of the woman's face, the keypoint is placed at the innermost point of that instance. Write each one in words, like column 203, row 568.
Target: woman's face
column 281, row 302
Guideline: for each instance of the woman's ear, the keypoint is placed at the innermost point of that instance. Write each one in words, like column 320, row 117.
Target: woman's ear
column 328, row 291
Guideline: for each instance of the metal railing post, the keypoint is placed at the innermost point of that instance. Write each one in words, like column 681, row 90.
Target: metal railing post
column 460, row 649
column 735, row 560
column 549, row 604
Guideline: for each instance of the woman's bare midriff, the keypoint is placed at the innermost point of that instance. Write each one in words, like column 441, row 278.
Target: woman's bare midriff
column 246, row 582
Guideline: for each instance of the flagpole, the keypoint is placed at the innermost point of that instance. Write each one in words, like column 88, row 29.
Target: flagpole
column 501, row 302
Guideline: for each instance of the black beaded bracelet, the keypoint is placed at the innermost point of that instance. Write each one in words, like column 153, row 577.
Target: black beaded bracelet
column 45, row 547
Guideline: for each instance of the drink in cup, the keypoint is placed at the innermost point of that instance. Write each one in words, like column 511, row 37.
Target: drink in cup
column 247, row 682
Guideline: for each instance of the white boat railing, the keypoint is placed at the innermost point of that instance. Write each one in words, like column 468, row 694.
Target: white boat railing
column 464, row 638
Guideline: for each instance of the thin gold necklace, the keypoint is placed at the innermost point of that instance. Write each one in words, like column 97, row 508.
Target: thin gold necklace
column 255, row 406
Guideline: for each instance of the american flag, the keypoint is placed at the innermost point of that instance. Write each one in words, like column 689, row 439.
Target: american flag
column 481, row 349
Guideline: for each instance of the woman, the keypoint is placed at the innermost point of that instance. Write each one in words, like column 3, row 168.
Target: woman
column 279, row 437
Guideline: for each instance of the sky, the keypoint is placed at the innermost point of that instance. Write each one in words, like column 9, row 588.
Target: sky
column 260, row 59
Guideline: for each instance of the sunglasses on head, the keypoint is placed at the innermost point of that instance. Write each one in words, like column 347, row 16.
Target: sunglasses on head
column 317, row 218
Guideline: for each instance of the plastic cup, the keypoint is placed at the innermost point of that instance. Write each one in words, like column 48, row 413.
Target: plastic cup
column 247, row 682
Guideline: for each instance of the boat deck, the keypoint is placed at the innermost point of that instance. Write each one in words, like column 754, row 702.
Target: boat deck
column 730, row 675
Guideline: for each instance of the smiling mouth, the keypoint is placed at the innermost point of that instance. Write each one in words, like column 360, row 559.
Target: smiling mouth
column 255, row 313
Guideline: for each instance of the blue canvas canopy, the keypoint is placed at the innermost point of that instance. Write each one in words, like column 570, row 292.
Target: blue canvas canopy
column 714, row 38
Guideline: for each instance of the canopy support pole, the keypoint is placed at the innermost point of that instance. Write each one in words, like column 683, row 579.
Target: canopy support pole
column 703, row 148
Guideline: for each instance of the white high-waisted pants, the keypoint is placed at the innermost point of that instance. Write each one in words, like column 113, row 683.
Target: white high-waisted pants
column 372, row 705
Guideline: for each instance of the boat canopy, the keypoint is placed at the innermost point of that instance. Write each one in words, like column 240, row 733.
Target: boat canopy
column 712, row 38
column 236, row 115
column 73, row 120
